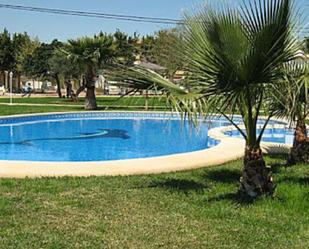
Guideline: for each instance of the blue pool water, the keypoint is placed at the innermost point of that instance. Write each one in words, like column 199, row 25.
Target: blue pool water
column 101, row 136
column 284, row 136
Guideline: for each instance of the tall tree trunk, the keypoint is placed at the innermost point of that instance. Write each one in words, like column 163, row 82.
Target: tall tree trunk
column 18, row 82
column 256, row 179
column 2, row 77
column 58, row 85
column 299, row 153
column 90, row 100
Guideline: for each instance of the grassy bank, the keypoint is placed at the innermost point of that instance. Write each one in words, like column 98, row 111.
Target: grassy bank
column 103, row 102
column 12, row 110
column 40, row 104
column 195, row 209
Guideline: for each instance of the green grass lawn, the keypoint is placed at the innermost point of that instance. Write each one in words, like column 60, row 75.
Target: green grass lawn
column 194, row 209
column 103, row 102
column 11, row 110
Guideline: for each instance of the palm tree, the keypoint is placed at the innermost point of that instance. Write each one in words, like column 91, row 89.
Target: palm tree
column 232, row 58
column 90, row 54
column 291, row 101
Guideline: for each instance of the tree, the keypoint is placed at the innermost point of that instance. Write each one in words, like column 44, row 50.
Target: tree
column 90, row 54
column 37, row 65
column 146, row 46
column 166, row 50
column 123, row 48
column 232, row 57
column 61, row 67
column 6, row 52
column 14, row 52
column 23, row 47
column 291, row 100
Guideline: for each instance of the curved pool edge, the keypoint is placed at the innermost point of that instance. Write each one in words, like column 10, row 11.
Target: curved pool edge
column 267, row 147
column 227, row 150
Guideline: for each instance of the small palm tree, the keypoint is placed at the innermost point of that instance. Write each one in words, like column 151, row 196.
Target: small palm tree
column 232, row 58
column 90, row 54
column 291, row 101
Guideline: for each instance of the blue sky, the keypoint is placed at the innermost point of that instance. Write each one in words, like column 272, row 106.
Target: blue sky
column 50, row 26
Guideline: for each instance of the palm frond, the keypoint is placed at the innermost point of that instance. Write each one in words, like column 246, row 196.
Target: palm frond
column 96, row 50
column 290, row 96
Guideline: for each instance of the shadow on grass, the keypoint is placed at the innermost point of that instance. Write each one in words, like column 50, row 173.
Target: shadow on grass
column 296, row 180
column 277, row 167
column 279, row 156
column 237, row 198
column 180, row 185
column 223, row 175
column 277, row 161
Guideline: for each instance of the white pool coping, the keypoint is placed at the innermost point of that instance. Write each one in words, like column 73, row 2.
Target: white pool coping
column 229, row 148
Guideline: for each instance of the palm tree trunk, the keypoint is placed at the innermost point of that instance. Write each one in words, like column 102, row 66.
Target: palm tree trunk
column 256, row 179
column 300, row 151
column 58, row 86
column 90, row 100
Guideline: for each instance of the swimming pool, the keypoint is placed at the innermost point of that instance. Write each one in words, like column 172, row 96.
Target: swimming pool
column 272, row 135
column 103, row 136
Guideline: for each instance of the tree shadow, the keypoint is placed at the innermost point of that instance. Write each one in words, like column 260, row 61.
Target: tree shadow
column 180, row 185
column 296, row 180
column 223, row 175
column 276, row 167
column 233, row 197
column 238, row 199
column 279, row 156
